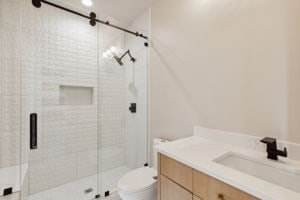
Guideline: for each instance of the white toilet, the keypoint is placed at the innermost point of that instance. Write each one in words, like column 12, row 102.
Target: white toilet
column 140, row 184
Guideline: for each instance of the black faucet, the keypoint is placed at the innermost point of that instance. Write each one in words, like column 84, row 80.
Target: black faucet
column 272, row 150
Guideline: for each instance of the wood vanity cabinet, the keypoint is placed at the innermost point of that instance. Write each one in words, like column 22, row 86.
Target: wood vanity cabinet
column 173, row 191
column 180, row 182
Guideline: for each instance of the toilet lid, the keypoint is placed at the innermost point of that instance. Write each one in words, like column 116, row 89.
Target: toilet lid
column 138, row 180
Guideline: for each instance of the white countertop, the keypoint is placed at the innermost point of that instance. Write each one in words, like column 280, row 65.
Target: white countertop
column 200, row 153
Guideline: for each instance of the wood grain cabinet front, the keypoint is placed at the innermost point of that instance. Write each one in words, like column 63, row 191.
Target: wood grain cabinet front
column 172, row 191
column 180, row 182
column 218, row 190
column 177, row 172
column 196, row 198
column 209, row 188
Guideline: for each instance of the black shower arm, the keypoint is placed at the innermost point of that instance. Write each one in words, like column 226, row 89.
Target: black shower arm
column 131, row 57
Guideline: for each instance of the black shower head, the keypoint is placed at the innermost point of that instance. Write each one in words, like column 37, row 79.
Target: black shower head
column 119, row 60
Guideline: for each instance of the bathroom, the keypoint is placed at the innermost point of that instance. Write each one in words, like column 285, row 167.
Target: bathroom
column 149, row 99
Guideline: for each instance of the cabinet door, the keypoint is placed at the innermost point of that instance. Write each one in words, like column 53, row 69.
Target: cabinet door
column 177, row 172
column 200, row 184
column 172, row 191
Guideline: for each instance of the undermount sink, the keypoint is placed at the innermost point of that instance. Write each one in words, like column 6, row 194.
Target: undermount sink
column 275, row 172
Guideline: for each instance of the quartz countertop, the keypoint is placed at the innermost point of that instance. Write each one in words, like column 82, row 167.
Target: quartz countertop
column 199, row 153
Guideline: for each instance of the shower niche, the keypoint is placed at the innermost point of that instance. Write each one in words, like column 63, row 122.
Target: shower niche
column 75, row 95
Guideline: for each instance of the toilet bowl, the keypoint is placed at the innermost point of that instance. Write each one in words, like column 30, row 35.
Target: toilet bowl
column 140, row 184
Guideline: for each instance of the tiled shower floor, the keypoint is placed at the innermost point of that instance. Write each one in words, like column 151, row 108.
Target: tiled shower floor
column 75, row 190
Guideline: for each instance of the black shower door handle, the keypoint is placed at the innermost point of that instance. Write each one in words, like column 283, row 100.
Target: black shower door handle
column 33, row 131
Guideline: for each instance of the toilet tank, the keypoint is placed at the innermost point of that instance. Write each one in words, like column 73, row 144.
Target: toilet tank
column 157, row 141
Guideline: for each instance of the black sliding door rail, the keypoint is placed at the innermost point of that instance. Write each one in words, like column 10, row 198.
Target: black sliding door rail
column 93, row 18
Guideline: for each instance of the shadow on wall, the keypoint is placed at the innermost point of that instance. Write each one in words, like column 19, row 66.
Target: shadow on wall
column 171, row 83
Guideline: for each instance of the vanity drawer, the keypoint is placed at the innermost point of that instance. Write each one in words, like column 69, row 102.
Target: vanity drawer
column 172, row 191
column 209, row 188
column 177, row 172
column 221, row 191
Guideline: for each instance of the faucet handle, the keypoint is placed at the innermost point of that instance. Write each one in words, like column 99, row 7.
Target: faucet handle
column 272, row 150
column 268, row 140
column 284, row 152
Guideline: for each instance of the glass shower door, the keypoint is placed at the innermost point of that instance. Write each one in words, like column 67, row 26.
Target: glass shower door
column 124, row 135
column 59, row 104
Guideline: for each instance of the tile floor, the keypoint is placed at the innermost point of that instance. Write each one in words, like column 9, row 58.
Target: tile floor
column 75, row 190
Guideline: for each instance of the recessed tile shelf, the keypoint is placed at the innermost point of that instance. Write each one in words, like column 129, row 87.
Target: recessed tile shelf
column 75, row 95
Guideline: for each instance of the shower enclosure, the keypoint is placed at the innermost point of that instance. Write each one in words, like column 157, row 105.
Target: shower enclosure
column 66, row 130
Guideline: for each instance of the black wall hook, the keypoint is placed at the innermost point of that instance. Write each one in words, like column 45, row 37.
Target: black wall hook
column 37, row 3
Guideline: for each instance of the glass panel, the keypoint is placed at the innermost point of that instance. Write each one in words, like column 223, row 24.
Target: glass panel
column 112, row 111
column 10, row 99
column 123, row 136
column 59, row 49
column 136, row 124
column 54, row 145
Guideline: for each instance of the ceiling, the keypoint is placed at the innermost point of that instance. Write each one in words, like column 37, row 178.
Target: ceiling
column 124, row 11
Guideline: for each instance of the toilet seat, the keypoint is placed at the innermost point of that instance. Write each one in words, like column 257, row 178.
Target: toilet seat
column 138, row 180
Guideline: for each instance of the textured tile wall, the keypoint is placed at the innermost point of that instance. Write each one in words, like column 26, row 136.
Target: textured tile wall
column 10, row 92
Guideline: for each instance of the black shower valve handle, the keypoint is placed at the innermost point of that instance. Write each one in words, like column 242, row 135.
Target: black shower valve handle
column 132, row 108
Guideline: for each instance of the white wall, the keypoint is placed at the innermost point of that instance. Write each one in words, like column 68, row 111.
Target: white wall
column 231, row 65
